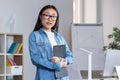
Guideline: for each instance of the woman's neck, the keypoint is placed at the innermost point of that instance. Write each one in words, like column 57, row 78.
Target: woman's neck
column 47, row 30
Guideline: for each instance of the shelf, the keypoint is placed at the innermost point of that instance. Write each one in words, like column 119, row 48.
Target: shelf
column 2, row 75
column 14, row 74
column 2, row 65
column 11, row 64
column 14, row 77
column 19, row 54
column 2, row 53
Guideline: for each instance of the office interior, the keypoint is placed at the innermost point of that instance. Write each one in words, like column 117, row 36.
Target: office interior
column 91, row 13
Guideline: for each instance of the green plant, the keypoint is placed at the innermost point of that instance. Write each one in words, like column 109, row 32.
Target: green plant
column 115, row 44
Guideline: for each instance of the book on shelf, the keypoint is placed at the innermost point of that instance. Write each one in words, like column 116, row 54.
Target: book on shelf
column 9, row 41
column 15, row 51
column 15, row 48
column 18, row 60
column 19, row 48
column 12, row 48
column 59, row 51
column 9, row 62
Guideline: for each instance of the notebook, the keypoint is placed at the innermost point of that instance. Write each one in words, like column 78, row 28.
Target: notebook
column 59, row 51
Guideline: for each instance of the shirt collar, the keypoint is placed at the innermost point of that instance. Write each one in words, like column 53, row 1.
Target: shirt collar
column 41, row 30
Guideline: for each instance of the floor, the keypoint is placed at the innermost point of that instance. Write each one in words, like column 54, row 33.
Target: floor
column 96, row 75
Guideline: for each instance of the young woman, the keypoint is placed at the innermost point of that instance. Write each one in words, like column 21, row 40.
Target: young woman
column 41, row 42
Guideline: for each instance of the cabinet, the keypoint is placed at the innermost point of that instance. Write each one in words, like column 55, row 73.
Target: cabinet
column 12, row 71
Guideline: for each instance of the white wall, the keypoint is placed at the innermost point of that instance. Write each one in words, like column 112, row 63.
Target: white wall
column 111, row 17
column 26, row 12
column 90, row 12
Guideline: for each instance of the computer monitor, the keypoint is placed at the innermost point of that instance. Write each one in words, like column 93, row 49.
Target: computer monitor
column 112, row 60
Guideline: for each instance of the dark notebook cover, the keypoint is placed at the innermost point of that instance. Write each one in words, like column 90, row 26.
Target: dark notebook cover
column 59, row 51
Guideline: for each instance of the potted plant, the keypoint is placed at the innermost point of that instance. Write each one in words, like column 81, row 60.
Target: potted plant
column 112, row 51
column 115, row 36
column 114, row 46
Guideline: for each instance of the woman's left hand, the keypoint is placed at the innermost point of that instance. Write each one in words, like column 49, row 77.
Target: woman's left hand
column 55, row 59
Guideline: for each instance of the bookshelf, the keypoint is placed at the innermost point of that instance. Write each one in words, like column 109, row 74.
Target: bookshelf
column 11, row 60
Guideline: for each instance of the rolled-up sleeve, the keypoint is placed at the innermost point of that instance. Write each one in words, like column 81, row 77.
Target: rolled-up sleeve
column 69, row 54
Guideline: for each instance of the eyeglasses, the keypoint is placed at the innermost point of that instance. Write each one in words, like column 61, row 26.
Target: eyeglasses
column 47, row 16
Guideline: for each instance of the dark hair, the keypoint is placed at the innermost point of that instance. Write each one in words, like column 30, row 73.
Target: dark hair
column 39, row 24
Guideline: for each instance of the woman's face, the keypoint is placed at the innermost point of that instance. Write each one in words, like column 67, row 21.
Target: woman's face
column 48, row 19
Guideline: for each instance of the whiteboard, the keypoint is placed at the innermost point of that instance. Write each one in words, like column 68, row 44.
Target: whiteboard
column 90, row 37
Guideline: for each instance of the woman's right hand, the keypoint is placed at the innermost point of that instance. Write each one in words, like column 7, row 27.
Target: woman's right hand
column 63, row 62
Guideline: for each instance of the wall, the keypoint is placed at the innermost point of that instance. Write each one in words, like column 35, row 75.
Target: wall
column 26, row 12
column 111, row 18
column 90, row 12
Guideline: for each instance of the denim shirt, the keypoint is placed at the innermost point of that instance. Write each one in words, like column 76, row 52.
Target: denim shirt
column 41, row 54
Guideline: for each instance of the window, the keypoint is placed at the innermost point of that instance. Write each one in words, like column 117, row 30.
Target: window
column 87, row 11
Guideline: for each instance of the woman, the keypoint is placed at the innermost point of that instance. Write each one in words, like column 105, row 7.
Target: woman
column 41, row 42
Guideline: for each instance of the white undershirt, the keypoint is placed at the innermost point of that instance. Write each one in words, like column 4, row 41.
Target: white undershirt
column 51, row 38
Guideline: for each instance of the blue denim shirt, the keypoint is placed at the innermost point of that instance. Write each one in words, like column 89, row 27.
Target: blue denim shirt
column 41, row 54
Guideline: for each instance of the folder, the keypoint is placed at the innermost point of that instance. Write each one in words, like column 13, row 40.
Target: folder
column 59, row 51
